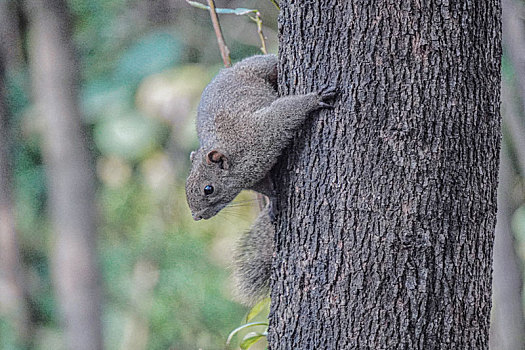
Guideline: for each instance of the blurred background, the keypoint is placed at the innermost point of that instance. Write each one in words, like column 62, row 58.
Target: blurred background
column 140, row 69
column 126, row 77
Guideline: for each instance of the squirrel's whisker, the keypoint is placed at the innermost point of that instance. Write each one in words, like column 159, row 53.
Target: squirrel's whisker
column 235, row 205
column 255, row 200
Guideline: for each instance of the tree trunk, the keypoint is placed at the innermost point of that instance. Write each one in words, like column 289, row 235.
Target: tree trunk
column 387, row 204
column 69, row 172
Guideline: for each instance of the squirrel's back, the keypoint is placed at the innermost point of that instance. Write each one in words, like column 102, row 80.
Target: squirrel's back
column 234, row 94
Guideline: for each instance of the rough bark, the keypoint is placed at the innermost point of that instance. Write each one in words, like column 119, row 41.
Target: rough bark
column 387, row 204
column 13, row 305
column 69, row 172
column 507, row 328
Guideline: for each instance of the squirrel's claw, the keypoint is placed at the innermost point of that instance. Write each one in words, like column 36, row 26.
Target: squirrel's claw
column 325, row 105
column 328, row 90
column 327, row 94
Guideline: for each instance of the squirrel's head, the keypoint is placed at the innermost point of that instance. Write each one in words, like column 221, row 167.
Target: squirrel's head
column 210, row 186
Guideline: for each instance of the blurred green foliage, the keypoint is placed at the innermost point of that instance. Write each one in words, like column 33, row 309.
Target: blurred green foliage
column 165, row 277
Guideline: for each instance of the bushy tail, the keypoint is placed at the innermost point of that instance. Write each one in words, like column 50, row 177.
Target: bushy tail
column 253, row 259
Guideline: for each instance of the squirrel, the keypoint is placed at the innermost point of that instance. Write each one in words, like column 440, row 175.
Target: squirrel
column 243, row 126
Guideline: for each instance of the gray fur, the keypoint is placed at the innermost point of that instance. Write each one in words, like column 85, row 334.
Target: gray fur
column 243, row 127
column 253, row 260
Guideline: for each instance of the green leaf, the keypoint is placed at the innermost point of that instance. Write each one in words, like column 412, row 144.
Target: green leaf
column 244, row 326
column 260, row 306
column 250, row 339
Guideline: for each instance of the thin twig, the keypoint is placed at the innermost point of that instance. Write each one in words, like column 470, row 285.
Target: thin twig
column 257, row 19
column 276, row 4
column 225, row 52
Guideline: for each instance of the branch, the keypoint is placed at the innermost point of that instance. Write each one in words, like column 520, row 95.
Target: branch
column 257, row 19
column 225, row 52
column 276, row 4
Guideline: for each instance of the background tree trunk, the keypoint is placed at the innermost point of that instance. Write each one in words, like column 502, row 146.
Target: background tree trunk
column 69, row 171
column 10, row 34
column 507, row 329
column 387, row 204
column 514, row 40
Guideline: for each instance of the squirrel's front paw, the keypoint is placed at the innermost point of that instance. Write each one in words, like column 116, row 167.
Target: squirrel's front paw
column 327, row 94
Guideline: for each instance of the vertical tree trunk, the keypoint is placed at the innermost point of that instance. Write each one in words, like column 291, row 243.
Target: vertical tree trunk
column 387, row 204
column 69, row 171
column 13, row 306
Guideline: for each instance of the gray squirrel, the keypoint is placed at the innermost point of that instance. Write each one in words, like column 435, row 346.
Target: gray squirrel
column 243, row 126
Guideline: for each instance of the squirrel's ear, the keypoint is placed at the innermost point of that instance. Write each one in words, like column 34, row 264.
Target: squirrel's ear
column 219, row 158
column 192, row 156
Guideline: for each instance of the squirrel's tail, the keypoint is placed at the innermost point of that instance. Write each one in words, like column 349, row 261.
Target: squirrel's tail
column 253, row 259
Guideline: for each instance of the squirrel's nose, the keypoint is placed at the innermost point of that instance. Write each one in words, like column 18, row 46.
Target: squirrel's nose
column 196, row 217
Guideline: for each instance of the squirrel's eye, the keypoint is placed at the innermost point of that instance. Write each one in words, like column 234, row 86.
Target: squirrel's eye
column 208, row 189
